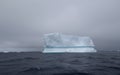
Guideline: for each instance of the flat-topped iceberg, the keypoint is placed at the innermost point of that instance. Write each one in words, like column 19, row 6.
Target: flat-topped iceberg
column 57, row 43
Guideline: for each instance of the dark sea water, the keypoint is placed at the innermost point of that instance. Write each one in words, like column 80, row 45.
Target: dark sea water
column 36, row 63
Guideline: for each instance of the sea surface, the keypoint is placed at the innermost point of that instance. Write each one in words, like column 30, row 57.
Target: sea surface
column 36, row 63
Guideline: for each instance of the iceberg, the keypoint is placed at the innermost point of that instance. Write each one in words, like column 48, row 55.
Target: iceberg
column 61, row 43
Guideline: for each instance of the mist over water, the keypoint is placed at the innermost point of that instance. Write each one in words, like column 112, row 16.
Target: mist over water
column 24, row 22
column 4, row 50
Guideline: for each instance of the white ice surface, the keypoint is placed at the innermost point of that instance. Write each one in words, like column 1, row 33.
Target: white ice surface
column 68, row 50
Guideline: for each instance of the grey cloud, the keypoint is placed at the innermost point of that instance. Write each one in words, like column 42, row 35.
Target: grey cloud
column 23, row 22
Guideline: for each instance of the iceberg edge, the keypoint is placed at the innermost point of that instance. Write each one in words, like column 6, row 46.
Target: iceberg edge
column 68, row 50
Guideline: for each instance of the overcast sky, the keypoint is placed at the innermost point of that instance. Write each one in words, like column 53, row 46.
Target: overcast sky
column 23, row 22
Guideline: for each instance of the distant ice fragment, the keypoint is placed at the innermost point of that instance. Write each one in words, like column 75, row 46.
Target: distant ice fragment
column 60, row 43
column 5, row 51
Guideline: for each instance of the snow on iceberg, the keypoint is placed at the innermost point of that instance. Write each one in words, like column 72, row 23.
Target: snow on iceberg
column 57, row 43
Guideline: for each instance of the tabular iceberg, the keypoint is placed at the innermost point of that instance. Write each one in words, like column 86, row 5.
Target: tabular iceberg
column 60, row 43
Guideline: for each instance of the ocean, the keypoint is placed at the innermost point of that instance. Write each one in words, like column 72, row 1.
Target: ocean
column 36, row 63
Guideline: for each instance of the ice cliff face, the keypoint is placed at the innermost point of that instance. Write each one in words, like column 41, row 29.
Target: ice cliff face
column 56, row 42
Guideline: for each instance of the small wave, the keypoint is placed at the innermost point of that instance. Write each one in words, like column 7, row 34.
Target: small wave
column 39, row 69
column 73, row 74
column 17, row 59
column 32, row 69
column 42, row 69
column 117, row 68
